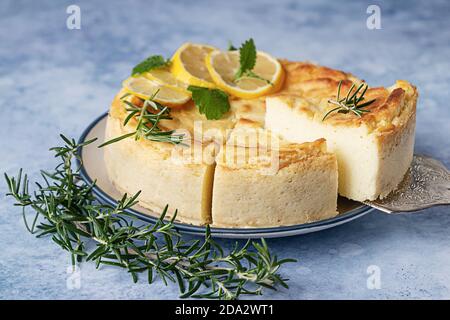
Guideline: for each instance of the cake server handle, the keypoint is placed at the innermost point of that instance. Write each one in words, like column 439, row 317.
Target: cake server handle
column 426, row 184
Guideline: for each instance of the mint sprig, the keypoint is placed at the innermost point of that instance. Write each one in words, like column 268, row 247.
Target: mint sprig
column 247, row 61
column 213, row 103
column 231, row 47
column 150, row 63
column 247, row 58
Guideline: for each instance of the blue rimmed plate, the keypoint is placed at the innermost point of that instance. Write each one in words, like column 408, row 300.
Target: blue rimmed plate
column 92, row 168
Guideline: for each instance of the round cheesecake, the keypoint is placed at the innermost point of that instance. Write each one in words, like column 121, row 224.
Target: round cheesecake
column 270, row 161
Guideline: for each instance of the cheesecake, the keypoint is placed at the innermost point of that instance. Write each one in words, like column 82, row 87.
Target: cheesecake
column 273, row 160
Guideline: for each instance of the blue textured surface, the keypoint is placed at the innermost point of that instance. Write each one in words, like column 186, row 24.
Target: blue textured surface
column 56, row 80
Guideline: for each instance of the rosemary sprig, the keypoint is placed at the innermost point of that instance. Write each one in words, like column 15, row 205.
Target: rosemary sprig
column 65, row 209
column 351, row 102
column 147, row 126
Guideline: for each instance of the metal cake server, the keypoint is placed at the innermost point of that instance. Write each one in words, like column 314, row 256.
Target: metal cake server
column 426, row 184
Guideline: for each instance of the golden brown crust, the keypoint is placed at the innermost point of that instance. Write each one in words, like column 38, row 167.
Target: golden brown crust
column 188, row 153
column 286, row 154
column 391, row 109
column 305, row 76
column 314, row 85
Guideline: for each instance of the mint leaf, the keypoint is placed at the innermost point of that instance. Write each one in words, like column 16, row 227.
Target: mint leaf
column 150, row 63
column 213, row 103
column 231, row 47
column 247, row 58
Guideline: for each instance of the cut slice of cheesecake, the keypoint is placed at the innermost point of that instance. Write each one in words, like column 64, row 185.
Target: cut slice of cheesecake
column 180, row 176
column 373, row 151
column 269, row 182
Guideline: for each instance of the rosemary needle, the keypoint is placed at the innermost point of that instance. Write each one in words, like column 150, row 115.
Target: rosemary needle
column 65, row 209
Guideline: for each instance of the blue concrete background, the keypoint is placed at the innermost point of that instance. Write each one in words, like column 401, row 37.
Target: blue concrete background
column 56, row 80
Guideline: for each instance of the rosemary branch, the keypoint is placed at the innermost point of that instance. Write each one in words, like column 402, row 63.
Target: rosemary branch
column 65, row 209
column 351, row 102
column 147, row 126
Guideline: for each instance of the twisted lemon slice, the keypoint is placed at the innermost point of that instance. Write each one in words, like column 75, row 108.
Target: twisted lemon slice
column 166, row 95
column 164, row 77
column 268, row 74
column 188, row 65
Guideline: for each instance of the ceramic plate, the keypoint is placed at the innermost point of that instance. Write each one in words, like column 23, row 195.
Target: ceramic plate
column 93, row 169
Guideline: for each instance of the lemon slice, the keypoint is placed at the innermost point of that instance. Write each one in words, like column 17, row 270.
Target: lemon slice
column 163, row 76
column 145, row 88
column 188, row 65
column 222, row 67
